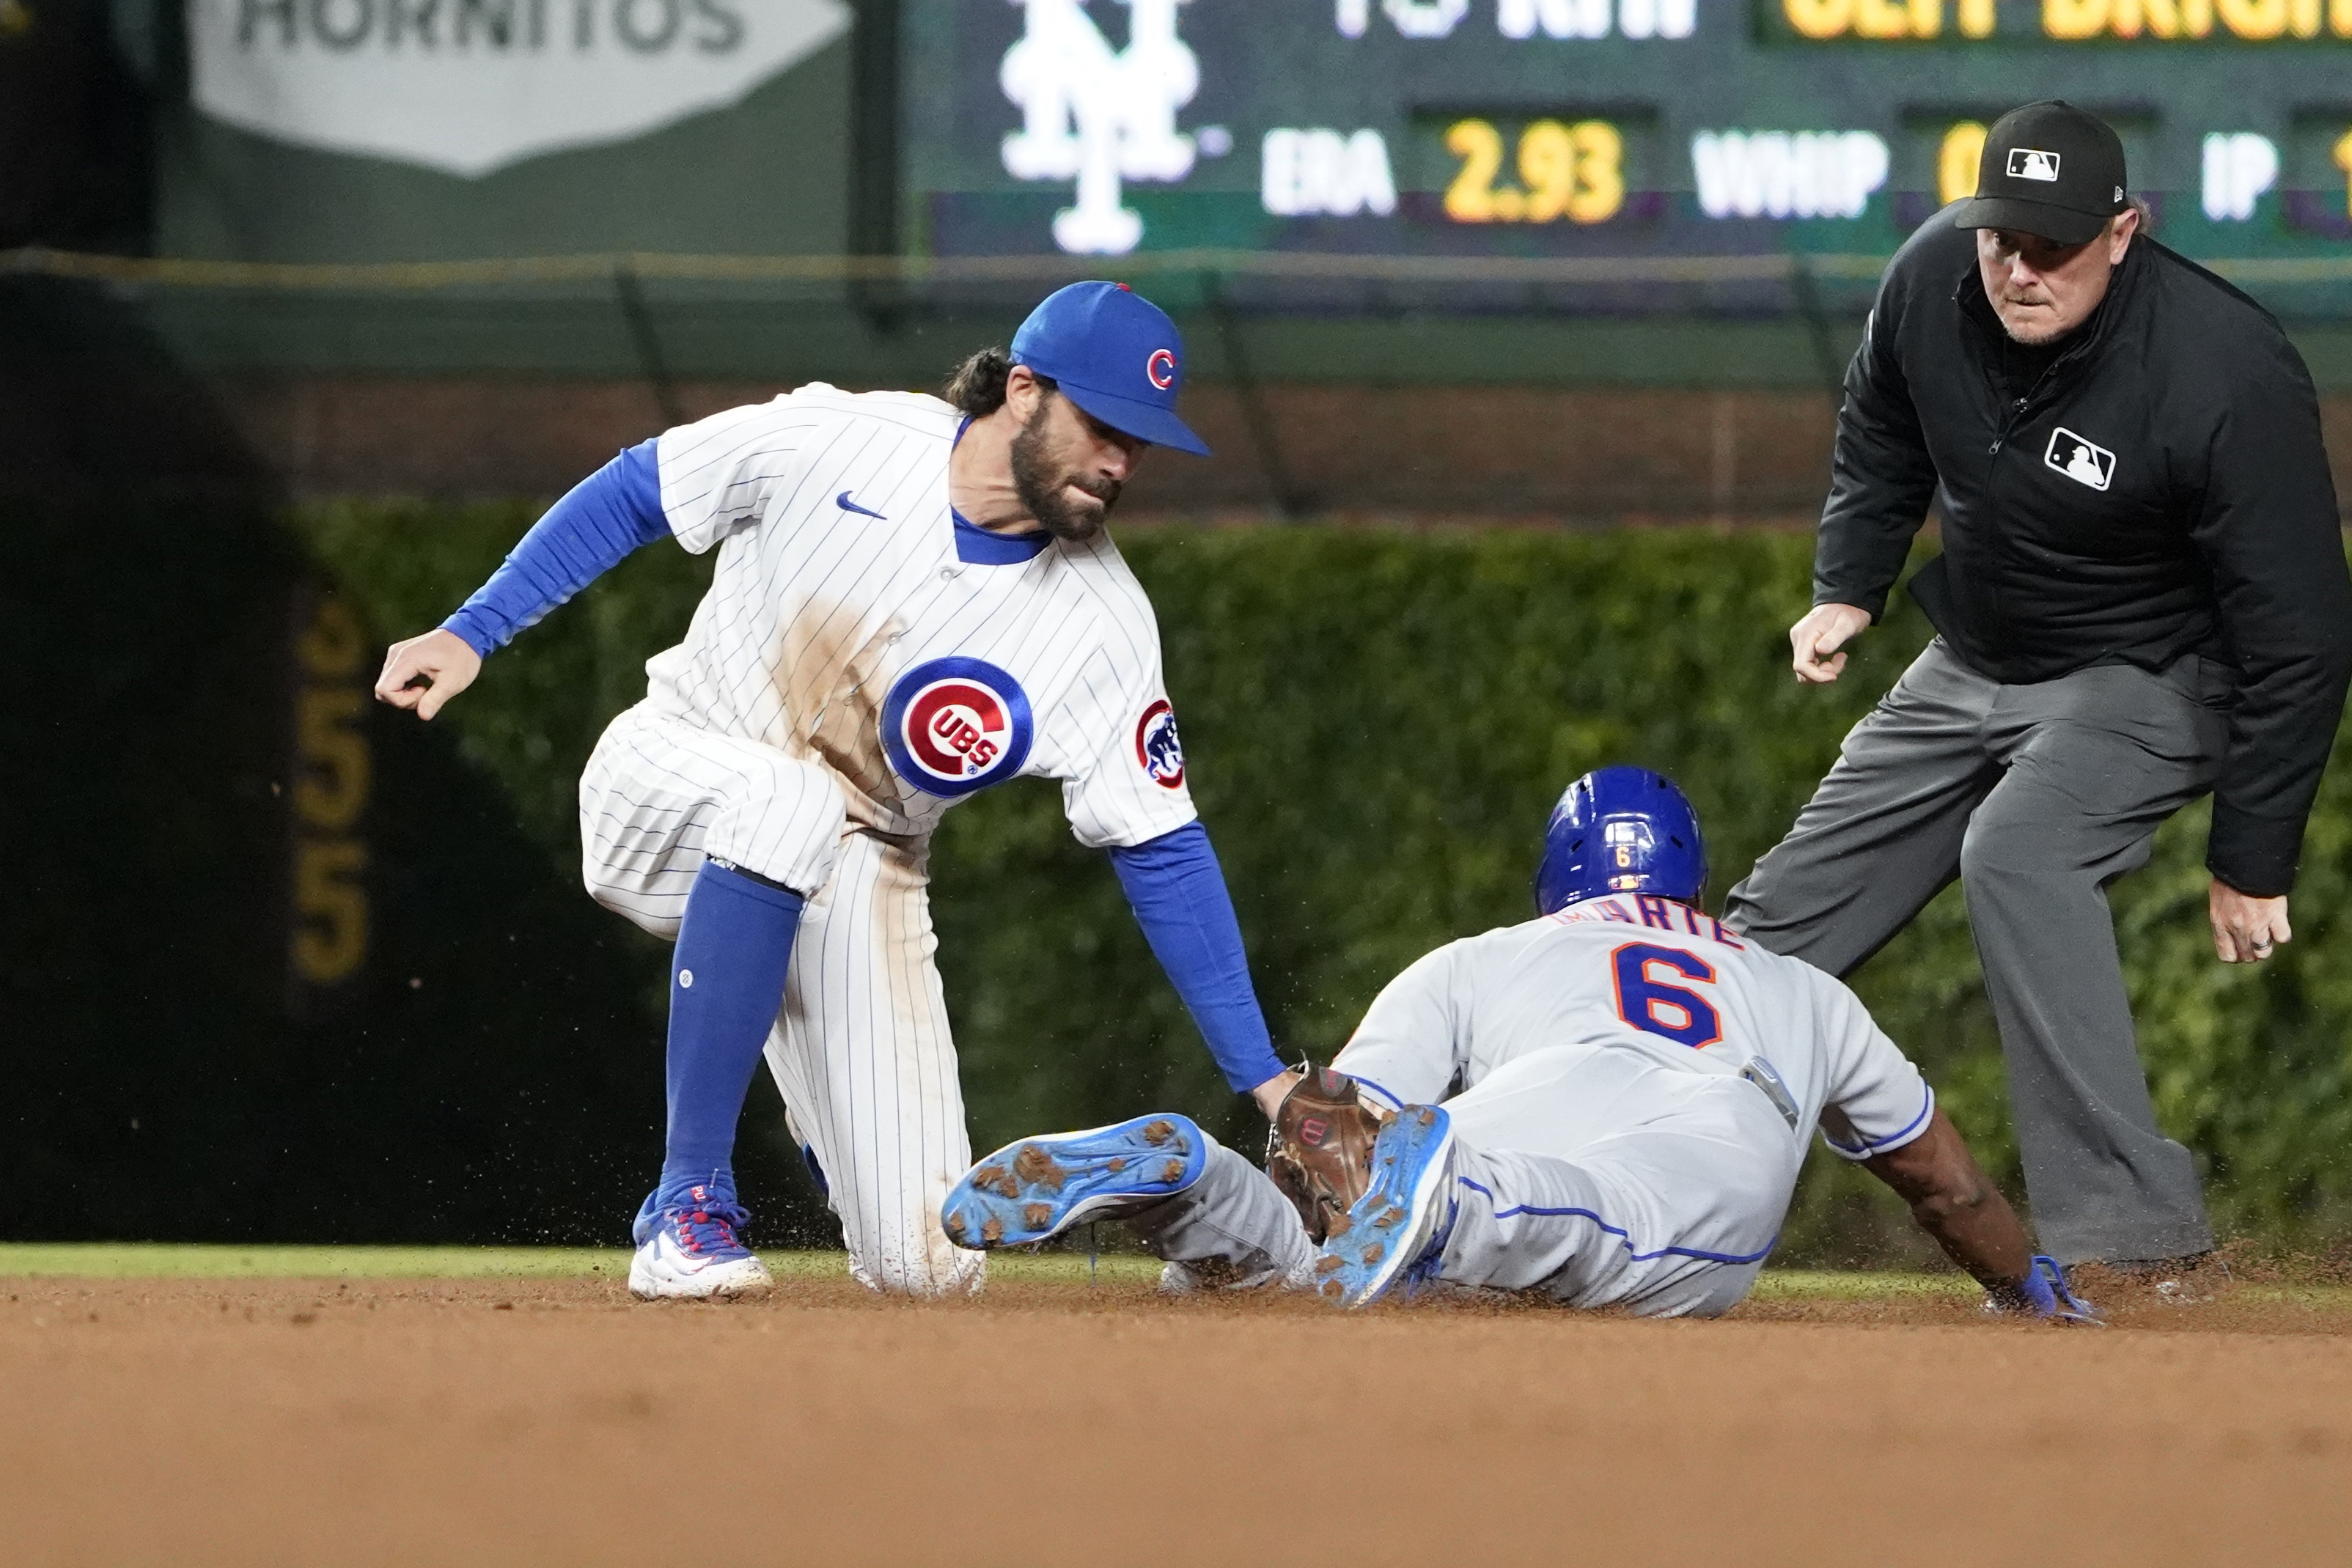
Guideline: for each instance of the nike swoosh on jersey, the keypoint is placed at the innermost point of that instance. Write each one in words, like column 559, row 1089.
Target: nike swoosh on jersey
column 846, row 505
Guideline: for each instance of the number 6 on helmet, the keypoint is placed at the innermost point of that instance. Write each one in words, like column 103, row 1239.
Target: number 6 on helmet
column 1620, row 830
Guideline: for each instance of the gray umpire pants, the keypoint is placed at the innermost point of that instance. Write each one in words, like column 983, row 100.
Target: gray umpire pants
column 2036, row 796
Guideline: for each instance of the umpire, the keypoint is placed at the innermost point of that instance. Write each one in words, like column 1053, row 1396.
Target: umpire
column 2142, row 597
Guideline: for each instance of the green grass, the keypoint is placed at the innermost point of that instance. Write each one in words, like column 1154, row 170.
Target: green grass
column 157, row 1261
column 1845, row 1285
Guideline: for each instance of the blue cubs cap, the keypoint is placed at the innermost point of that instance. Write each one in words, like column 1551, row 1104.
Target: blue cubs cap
column 1115, row 355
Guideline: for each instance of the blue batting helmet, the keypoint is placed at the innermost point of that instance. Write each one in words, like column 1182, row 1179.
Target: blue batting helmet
column 1620, row 830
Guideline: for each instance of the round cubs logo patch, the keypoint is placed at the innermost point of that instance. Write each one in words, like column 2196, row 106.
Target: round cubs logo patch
column 954, row 726
column 1161, row 369
column 1157, row 747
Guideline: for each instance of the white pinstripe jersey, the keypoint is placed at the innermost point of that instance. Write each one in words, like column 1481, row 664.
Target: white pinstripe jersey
column 842, row 624
column 1652, row 976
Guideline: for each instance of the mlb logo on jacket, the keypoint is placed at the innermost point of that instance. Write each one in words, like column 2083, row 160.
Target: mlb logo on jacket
column 2082, row 461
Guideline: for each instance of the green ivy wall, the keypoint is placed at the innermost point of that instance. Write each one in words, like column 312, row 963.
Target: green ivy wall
column 1376, row 724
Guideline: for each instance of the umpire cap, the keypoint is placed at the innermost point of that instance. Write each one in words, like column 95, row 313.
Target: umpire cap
column 2047, row 169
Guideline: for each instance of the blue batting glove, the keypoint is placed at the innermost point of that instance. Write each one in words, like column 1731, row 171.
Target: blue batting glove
column 2045, row 1293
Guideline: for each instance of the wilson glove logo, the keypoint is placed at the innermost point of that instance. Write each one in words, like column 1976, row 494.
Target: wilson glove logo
column 953, row 726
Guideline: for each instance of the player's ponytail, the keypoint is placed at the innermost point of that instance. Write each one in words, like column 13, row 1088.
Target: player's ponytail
column 977, row 388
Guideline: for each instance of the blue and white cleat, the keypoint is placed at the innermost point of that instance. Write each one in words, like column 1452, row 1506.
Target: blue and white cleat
column 1034, row 1189
column 689, row 1248
column 1397, row 1230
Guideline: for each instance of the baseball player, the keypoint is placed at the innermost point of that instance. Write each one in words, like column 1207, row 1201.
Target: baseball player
column 913, row 599
column 1628, row 1089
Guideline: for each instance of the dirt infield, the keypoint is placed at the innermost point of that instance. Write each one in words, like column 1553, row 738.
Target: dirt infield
column 514, row 1421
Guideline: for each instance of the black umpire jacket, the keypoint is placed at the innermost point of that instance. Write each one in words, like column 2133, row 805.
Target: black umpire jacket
column 2160, row 490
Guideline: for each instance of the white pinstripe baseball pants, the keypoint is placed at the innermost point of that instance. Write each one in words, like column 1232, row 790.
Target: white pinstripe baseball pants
column 861, row 1050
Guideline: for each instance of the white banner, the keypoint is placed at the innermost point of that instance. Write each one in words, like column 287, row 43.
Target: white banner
column 470, row 86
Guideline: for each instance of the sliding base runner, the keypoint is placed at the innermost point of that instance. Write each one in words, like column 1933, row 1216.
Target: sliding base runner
column 1628, row 1090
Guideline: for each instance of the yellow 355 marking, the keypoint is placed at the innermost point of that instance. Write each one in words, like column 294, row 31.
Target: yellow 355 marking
column 1572, row 172
column 333, row 774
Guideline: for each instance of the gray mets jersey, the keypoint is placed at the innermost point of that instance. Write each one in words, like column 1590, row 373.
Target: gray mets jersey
column 1661, row 982
column 1632, row 1087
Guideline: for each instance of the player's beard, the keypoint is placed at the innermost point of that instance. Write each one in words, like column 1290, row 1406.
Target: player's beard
column 1044, row 485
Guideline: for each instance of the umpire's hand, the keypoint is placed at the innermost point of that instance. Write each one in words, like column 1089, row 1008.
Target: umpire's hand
column 426, row 671
column 2245, row 928
column 1817, row 637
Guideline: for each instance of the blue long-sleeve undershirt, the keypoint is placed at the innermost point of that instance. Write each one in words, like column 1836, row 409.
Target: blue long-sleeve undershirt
column 1178, row 892
column 613, row 511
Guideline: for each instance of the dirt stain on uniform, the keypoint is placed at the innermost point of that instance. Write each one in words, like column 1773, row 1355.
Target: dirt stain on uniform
column 830, row 681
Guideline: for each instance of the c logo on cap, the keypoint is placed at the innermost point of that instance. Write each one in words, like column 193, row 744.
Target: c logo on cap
column 1161, row 369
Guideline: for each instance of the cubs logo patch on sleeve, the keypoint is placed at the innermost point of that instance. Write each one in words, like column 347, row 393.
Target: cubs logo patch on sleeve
column 1158, row 749
column 953, row 726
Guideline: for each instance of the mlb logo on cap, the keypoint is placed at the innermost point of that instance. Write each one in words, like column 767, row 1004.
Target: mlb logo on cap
column 2047, row 169
column 2032, row 164
column 1116, row 355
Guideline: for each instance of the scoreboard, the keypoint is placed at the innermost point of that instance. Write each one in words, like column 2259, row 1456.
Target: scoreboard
column 1594, row 127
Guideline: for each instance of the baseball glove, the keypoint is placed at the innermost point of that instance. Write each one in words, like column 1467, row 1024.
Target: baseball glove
column 1319, row 1151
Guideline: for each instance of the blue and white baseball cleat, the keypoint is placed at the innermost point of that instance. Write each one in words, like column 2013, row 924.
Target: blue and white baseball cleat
column 1034, row 1189
column 688, row 1248
column 1397, row 1230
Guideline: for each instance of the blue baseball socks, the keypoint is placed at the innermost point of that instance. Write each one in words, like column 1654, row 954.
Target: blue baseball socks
column 726, row 983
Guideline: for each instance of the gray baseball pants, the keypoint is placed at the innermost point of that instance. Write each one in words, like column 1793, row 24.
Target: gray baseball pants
column 1595, row 1175
column 2036, row 796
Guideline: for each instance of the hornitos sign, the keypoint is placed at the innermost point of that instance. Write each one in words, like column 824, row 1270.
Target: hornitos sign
column 470, row 86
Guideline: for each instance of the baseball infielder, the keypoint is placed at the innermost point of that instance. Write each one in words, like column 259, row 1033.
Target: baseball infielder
column 1628, row 1092
column 914, row 600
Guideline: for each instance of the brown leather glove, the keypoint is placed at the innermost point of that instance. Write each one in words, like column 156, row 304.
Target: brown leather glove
column 1319, row 1150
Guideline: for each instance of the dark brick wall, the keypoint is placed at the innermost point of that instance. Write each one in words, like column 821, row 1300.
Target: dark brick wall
column 1575, row 455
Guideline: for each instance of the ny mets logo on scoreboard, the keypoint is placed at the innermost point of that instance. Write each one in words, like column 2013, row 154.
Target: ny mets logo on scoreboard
column 954, row 726
column 1157, row 747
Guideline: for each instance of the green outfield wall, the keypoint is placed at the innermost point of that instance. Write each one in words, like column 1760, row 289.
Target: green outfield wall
column 1377, row 723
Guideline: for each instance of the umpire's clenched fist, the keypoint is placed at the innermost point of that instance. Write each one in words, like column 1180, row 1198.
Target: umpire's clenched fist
column 1816, row 640
column 425, row 673
column 2246, row 929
